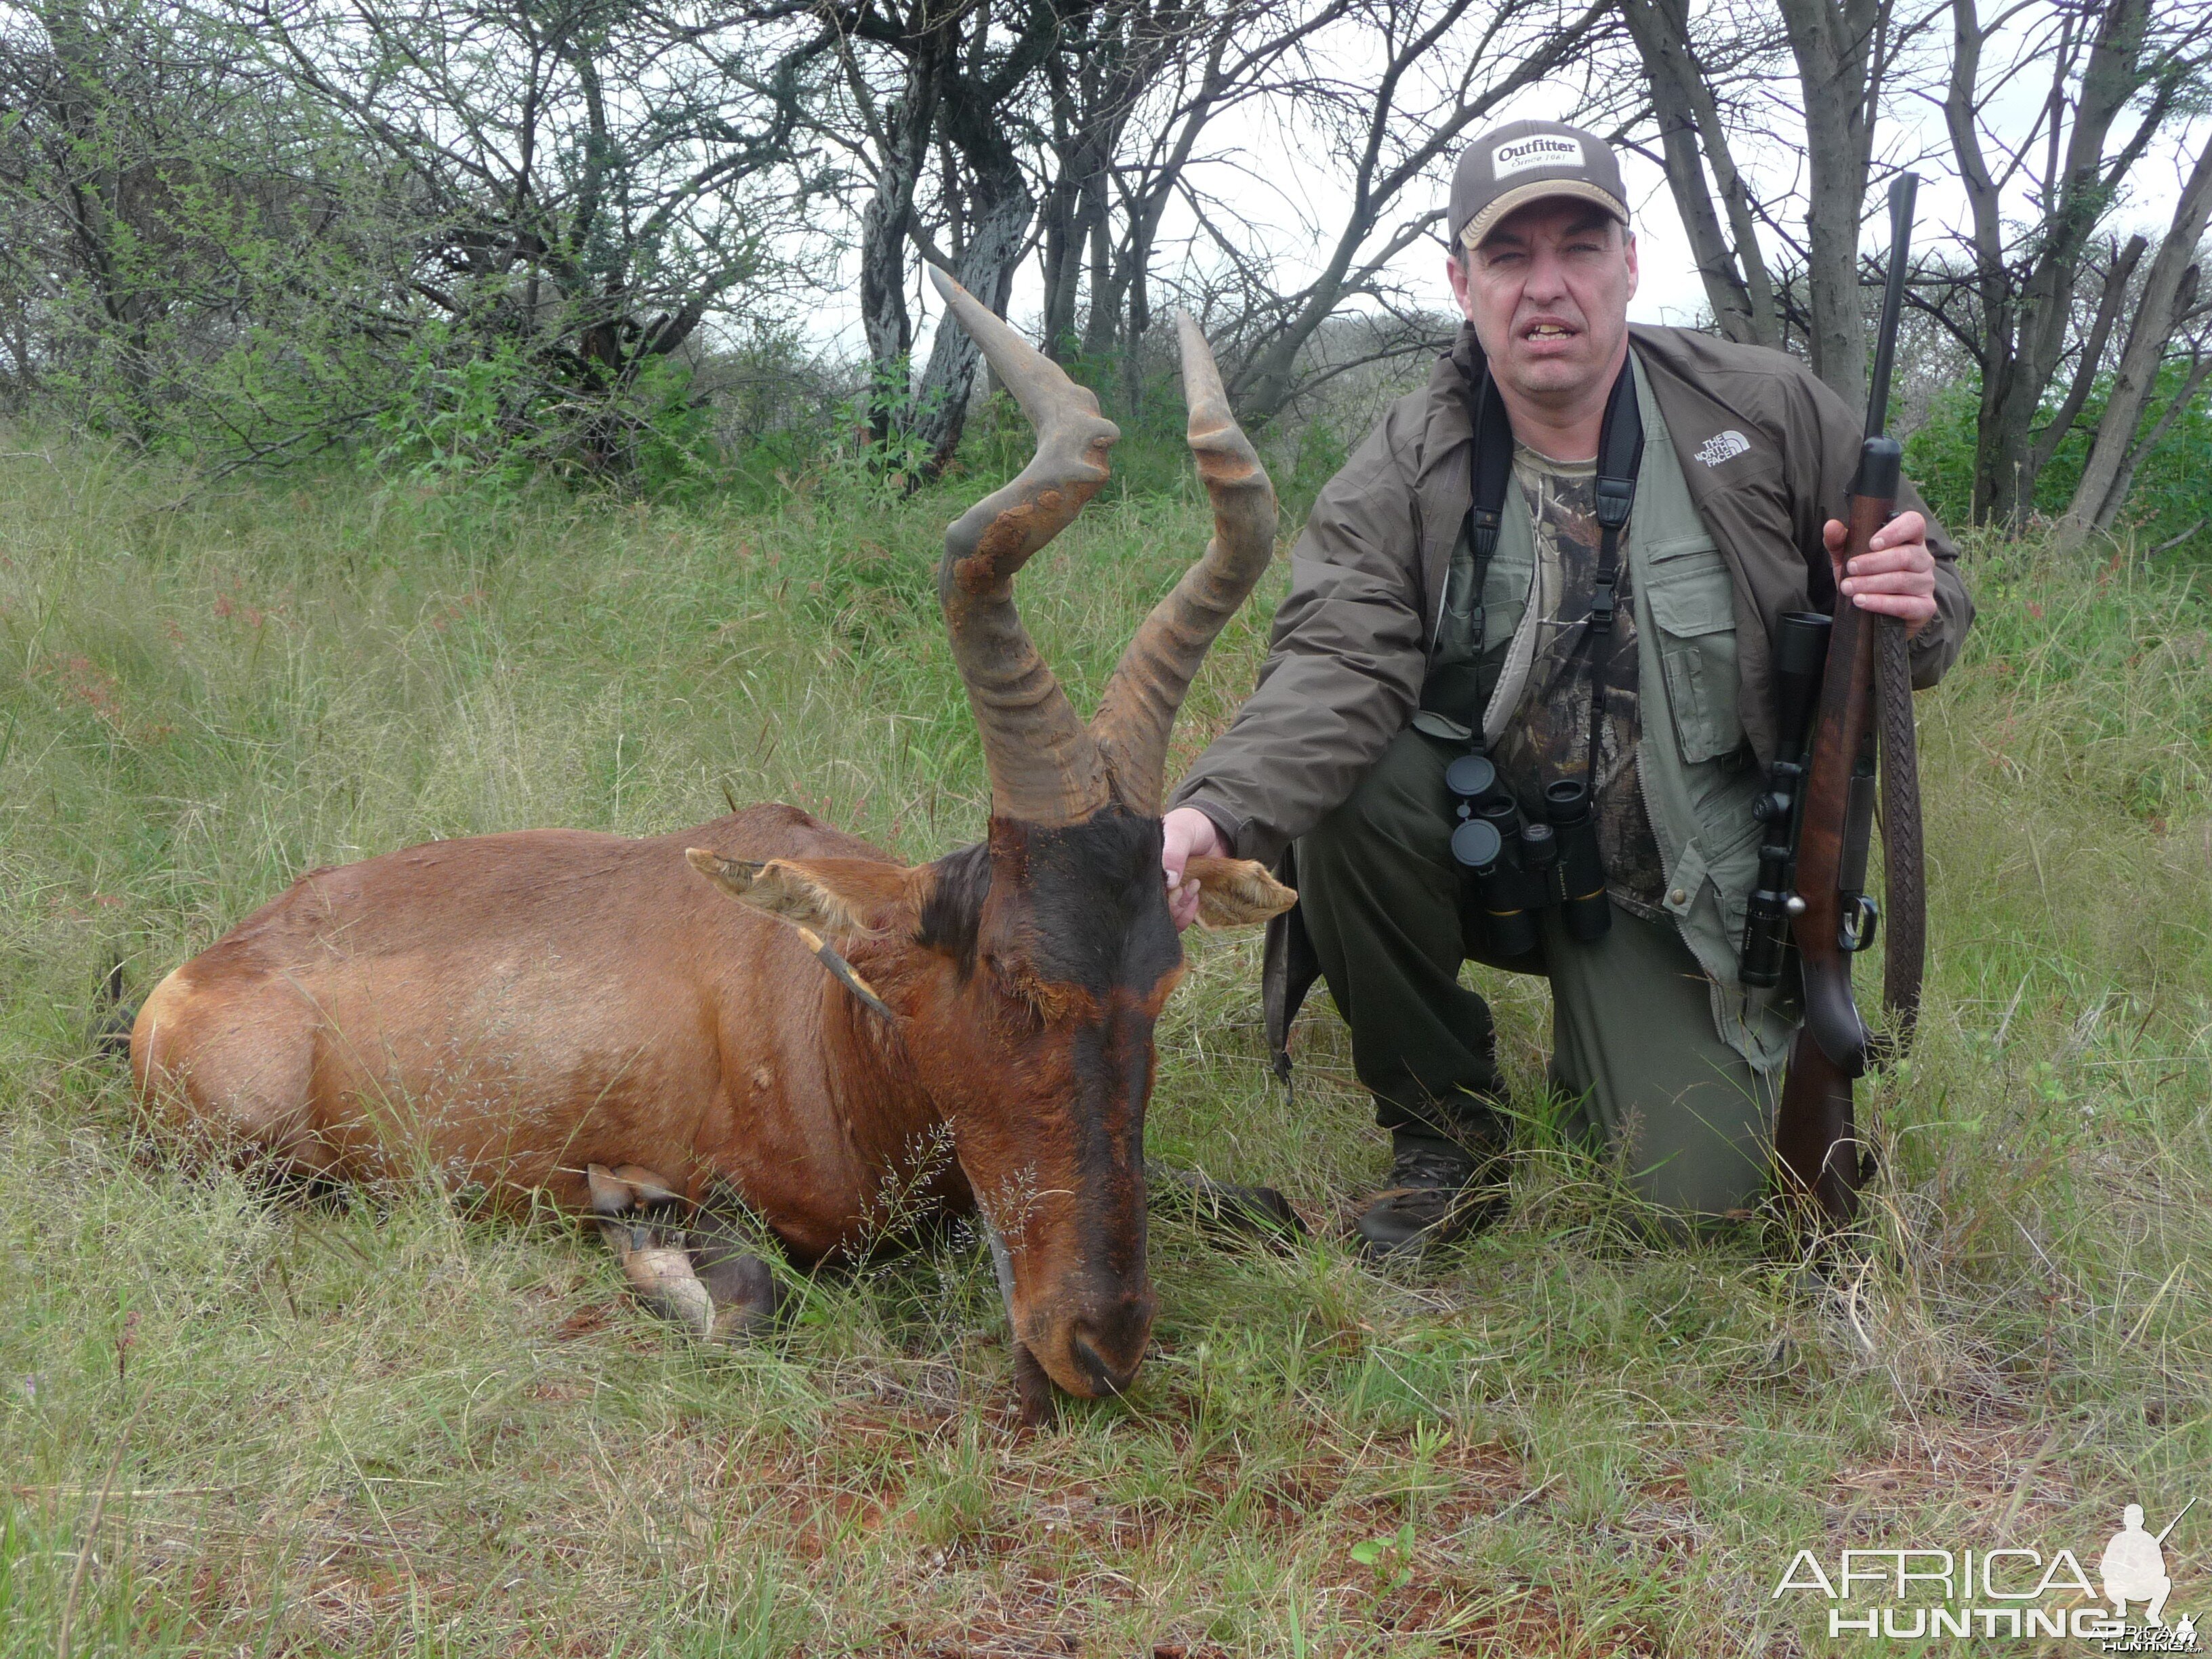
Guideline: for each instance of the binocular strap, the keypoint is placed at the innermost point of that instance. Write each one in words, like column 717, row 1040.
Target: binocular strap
column 1619, row 459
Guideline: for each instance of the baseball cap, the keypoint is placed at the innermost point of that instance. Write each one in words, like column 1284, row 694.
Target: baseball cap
column 1524, row 161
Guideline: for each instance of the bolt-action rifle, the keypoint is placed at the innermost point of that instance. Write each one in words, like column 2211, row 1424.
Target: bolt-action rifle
column 1819, row 814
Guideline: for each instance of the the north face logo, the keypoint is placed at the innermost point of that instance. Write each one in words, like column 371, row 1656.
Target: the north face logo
column 1724, row 446
column 1544, row 150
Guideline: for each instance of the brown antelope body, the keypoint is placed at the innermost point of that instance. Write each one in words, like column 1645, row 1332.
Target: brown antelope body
column 585, row 1016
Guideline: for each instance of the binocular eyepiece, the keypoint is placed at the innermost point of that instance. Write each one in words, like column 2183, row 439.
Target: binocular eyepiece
column 1515, row 869
column 1472, row 781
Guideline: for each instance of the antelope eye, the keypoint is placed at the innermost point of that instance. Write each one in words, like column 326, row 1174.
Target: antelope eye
column 1018, row 981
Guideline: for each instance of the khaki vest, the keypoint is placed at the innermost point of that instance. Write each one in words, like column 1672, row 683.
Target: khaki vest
column 1698, row 776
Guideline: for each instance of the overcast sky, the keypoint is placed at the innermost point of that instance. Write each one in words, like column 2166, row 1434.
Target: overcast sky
column 1307, row 198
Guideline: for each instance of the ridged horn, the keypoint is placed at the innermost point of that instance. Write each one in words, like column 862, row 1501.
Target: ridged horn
column 1045, row 767
column 1139, row 709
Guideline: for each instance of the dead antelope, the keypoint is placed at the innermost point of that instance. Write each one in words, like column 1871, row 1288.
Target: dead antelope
column 586, row 1015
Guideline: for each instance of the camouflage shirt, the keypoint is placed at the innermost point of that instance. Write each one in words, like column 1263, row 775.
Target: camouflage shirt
column 1547, row 738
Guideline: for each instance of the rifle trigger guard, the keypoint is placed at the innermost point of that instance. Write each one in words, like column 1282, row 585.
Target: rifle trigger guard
column 1855, row 931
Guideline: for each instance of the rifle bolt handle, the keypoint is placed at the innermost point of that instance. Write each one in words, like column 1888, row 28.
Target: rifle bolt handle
column 1795, row 904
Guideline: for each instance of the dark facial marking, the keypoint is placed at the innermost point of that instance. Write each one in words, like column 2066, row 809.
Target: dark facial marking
column 1086, row 904
column 1075, row 920
column 1114, row 1078
column 1095, row 913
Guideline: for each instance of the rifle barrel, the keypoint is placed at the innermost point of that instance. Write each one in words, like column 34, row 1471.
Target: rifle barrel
column 2176, row 1521
column 1902, row 190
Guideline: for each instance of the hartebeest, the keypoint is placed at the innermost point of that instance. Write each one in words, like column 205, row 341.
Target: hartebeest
column 583, row 1015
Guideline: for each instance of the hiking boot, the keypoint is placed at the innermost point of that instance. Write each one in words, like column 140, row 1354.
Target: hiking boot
column 1436, row 1191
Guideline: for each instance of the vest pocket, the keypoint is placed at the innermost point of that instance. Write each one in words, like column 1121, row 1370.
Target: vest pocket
column 1692, row 605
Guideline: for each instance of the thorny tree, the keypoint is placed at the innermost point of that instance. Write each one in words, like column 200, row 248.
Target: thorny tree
column 941, row 96
column 592, row 178
column 1733, row 88
column 178, row 239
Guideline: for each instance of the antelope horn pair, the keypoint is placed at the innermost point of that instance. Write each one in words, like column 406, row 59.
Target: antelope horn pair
column 1047, row 766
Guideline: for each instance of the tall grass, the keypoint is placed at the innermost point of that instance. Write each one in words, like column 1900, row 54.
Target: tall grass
column 253, row 1427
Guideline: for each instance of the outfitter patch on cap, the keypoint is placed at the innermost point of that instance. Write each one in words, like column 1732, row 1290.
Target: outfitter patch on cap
column 1525, row 161
column 1546, row 150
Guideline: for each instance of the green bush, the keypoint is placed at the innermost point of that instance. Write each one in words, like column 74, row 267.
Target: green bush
column 495, row 414
column 2171, row 494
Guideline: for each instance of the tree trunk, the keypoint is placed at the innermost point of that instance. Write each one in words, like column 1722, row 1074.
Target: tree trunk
column 2184, row 395
column 1000, row 220
column 1061, row 242
column 1099, row 326
column 1842, row 50
column 1737, row 286
column 885, row 224
column 1063, row 257
column 2119, row 271
column 2028, row 298
column 2168, row 291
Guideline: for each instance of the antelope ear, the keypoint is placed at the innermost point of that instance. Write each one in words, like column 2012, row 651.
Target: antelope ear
column 1236, row 892
column 835, row 897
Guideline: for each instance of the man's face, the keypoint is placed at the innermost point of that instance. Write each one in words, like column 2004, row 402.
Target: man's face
column 1547, row 293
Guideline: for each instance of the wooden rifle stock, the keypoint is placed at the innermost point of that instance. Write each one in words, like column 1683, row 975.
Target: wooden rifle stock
column 1814, row 1135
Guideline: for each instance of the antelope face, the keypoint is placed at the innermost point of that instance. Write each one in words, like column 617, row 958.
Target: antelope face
column 1023, row 979
column 1062, row 955
column 1065, row 960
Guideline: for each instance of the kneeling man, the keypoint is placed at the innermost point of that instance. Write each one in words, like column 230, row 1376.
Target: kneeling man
column 1436, row 611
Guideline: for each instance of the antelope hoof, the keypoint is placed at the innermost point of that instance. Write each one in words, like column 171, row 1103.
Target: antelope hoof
column 630, row 1203
column 653, row 1192
column 664, row 1281
column 743, row 1289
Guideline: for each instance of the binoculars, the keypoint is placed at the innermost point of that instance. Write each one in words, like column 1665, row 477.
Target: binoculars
column 1515, row 867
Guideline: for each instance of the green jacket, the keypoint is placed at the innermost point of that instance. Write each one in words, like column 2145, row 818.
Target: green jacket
column 1764, row 453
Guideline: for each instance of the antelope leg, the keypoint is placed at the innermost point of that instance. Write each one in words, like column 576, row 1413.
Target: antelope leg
column 1036, row 1405
column 652, row 1192
column 1217, row 1207
column 632, row 1204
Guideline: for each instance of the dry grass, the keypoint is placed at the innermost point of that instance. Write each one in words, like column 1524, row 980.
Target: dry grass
column 398, row 1426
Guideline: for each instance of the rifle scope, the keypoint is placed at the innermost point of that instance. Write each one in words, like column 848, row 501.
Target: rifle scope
column 1800, row 655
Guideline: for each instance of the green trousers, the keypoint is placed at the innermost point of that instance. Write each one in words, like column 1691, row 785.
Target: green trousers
column 1632, row 1036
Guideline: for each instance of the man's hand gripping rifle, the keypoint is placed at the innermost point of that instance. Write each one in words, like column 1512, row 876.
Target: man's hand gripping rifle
column 1819, row 814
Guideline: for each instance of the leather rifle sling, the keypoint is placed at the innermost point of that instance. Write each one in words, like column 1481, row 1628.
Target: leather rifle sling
column 1905, row 877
